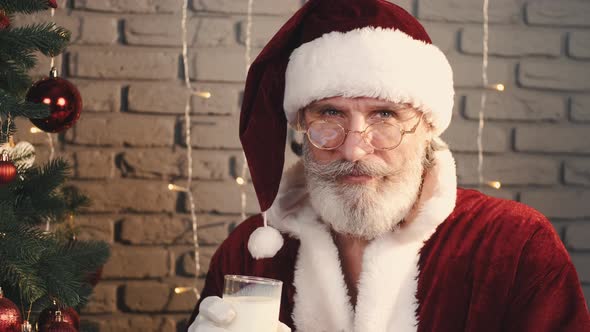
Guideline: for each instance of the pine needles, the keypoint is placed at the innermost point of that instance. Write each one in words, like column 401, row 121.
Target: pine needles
column 38, row 267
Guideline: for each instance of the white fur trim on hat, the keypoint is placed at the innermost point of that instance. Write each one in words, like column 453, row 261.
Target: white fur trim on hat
column 371, row 62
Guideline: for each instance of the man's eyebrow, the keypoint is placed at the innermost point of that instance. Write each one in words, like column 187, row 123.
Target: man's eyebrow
column 317, row 107
column 391, row 107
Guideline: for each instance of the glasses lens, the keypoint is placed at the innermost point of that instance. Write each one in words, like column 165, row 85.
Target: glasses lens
column 325, row 135
column 383, row 135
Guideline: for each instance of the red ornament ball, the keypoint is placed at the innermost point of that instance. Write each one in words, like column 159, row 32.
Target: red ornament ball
column 60, row 327
column 4, row 21
column 94, row 277
column 10, row 319
column 64, row 102
column 48, row 319
column 7, row 171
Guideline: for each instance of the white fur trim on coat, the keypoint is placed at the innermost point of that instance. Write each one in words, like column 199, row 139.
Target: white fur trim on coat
column 387, row 287
column 371, row 62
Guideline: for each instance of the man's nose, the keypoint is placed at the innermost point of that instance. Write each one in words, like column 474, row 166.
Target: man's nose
column 354, row 147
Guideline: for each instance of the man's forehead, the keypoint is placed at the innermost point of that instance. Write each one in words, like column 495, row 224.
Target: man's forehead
column 365, row 102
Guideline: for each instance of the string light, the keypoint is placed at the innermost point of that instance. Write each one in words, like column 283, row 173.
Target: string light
column 173, row 187
column 180, row 290
column 35, row 130
column 49, row 136
column 202, row 94
column 189, row 148
column 240, row 180
column 497, row 87
column 494, row 184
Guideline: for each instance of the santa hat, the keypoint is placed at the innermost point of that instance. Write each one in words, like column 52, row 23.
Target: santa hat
column 349, row 48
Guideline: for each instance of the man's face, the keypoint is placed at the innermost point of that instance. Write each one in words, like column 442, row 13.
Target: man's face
column 357, row 189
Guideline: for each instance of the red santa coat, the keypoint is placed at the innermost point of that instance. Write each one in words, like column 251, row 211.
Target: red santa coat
column 465, row 262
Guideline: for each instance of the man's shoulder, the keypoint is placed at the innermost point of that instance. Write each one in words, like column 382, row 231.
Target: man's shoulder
column 479, row 207
column 511, row 223
column 489, row 226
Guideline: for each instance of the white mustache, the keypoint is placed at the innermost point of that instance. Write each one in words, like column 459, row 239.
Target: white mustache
column 340, row 168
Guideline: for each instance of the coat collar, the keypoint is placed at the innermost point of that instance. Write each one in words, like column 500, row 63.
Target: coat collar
column 390, row 262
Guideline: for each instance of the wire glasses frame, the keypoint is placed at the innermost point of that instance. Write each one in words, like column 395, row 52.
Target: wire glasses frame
column 363, row 133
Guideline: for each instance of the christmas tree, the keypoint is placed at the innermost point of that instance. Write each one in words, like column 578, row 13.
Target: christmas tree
column 38, row 268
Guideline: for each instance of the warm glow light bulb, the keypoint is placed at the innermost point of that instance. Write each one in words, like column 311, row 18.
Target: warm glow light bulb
column 35, row 130
column 240, row 180
column 61, row 101
column 203, row 94
column 500, row 87
column 495, row 184
column 46, row 101
column 180, row 290
column 174, row 187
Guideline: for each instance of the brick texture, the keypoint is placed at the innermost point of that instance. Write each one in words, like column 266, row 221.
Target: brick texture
column 103, row 300
column 131, row 262
column 509, row 170
column 140, row 6
column 564, row 13
column 116, row 129
column 167, row 99
column 120, row 63
column 508, row 41
column 580, row 109
column 129, row 143
column 521, row 107
column 466, row 67
column 270, row 7
column 577, row 172
column 579, row 45
column 100, row 96
column 465, row 11
column 553, row 75
column 559, row 204
column 552, row 139
column 461, row 136
column 159, row 30
column 576, row 237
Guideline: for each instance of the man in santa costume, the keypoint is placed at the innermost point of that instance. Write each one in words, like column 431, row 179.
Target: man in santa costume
column 369, row 232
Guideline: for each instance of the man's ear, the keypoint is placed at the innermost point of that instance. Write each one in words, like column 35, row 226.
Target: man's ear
column 429, row 129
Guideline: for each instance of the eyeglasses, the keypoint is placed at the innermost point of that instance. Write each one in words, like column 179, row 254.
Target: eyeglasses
column 326, row 135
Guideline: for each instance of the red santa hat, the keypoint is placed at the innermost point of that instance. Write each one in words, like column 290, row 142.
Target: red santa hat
column 350, row 48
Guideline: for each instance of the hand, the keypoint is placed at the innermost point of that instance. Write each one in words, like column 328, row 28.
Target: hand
column 215, row 314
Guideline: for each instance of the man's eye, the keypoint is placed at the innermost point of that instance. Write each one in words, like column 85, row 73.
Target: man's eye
column 330, row 112
column 386, row 114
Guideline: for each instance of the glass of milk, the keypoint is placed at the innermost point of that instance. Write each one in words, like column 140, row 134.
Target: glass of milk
column 256, row 300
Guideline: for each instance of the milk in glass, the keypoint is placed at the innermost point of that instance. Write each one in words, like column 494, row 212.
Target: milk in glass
column 256, row 302
column 254, row 313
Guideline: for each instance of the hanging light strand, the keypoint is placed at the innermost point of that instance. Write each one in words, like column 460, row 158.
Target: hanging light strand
column 496, row 87
column 484, row 77
column 189, row 148
column 52, row 63
column 241, row 180
column 49, row 136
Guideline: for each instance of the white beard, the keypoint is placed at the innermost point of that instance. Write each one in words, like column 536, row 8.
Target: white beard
column 365, row 211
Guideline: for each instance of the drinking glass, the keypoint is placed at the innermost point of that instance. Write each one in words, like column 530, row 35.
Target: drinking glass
column 256, row 300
